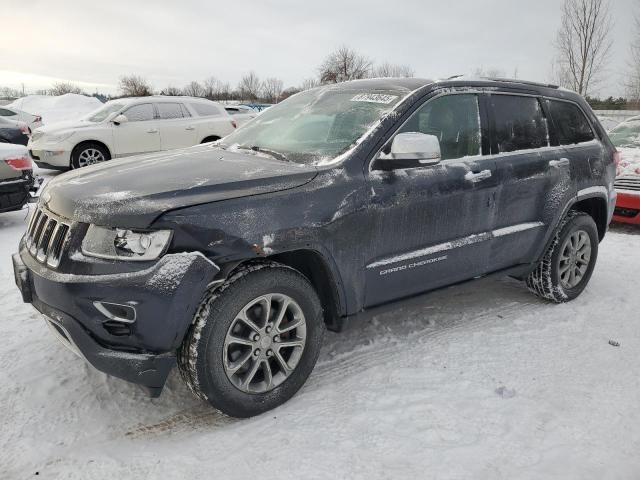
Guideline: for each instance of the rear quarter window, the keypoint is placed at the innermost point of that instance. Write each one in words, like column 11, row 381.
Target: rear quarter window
column 206, row 110
column 520, row 123
column 571, row 124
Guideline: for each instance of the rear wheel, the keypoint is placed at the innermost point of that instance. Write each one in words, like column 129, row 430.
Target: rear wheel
column 87, row 154
column 564, row 271
column 254, row 341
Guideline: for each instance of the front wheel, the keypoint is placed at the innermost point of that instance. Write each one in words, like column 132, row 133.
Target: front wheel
column 564, row 271
column 254, row 341
column 88, row 154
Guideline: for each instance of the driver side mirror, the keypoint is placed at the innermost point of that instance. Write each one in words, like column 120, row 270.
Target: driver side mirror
column 120, row 119
column 410, row 150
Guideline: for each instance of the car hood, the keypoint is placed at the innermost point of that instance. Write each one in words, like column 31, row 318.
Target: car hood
column 65, row 125
column 134, row 191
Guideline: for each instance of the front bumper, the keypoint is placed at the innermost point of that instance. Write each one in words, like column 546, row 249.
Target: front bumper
column 165, row 297
column 50, row 158
column 627, row 207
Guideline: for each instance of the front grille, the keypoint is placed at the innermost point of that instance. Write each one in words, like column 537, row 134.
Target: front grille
column 46, row 236
column 627, row 183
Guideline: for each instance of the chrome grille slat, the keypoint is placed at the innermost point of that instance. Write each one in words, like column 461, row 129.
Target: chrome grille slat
column 46, row 236
column 627, row 183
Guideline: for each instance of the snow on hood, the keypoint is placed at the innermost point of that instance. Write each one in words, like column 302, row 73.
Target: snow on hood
column 132, row 192
column 629, row 162
column 65, row 125
column 57, row 108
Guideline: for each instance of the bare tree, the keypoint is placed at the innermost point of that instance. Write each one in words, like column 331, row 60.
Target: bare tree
column 583, row 44
column 249, row 87
column 194, row 89
column 632, row 81
column 344, row 64
column 286, row 93
column 491, row 72
column 171, row 91
column 60, row 88
column 272, row 89
column 9, row 93
column 134, row 86
column 307, row 84
column 387, row 69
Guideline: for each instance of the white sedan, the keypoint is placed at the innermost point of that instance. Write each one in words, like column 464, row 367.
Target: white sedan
column 130, row 126
column 10, row 113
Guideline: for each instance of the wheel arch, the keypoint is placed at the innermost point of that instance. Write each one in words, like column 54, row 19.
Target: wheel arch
column 322, row 274
column 596, row 207
column 210, row 138
column 85, row 142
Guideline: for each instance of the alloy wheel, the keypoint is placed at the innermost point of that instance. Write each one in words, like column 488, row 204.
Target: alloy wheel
column 264, row 343
column 90, row 156
column 575, row 256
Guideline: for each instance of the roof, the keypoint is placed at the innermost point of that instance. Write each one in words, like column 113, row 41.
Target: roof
column 161, row 98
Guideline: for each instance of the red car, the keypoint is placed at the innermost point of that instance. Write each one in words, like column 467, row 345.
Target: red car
column 626, row 137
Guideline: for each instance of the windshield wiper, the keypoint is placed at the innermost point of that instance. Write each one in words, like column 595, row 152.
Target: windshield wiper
column 268, row 151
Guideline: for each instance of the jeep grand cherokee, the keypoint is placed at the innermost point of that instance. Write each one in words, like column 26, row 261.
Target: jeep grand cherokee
column 230, row 259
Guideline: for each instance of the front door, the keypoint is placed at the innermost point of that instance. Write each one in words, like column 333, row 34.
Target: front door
column 139, row 134
column 432, row 224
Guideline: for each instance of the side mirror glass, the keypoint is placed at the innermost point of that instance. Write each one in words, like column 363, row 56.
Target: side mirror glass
column 409, row 150
column 120, row 119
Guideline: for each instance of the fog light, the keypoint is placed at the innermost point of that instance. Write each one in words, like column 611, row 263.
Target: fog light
column 118, row 312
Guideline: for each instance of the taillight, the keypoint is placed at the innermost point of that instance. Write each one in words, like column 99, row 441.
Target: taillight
column 19, row 163
column 24, row 129
column 235, row 125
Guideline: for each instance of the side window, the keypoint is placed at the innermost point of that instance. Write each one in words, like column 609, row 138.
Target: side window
column 571, row 125
column 140, row 113
column 205, row 109
column 168, row 111
column 454, row 119
column 520, row 123
column 6, row 113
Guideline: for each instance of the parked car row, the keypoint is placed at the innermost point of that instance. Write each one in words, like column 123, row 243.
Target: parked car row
column 10, row 113
column 130, row 126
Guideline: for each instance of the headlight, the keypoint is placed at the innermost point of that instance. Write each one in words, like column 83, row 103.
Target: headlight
column 122, row 244
column 59, row 137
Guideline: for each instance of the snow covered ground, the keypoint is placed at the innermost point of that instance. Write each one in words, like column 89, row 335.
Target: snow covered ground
column 480, row 381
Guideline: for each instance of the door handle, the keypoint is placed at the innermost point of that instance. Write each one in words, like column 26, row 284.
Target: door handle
column 563, row 162
column 477, row 176
column 153, row 130
column 190, row 127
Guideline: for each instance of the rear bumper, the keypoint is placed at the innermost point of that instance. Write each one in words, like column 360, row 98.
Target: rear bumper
column 627, row 208
column 16, row 192
column 141, row 350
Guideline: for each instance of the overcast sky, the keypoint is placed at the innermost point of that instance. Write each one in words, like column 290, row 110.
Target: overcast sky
column 171, row 42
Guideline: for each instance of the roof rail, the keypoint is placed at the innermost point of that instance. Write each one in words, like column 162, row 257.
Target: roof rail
column 524, row 82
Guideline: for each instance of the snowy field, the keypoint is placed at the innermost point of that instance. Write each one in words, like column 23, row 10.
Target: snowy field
column 480, row 381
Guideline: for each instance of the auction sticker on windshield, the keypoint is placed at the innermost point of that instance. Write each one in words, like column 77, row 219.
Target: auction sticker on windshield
column 374, row 98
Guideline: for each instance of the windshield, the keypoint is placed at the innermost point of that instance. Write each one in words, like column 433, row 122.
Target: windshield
column 315, row 126
column 103, row 112
column 626, row 134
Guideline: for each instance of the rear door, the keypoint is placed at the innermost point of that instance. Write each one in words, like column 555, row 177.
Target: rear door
column 432, row 223
column 176, row 126
column 139, row 134
column 535, row 177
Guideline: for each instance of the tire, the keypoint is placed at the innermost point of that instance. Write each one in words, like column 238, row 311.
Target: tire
column 549, row 279
column 89, row 153
column 205, row 356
